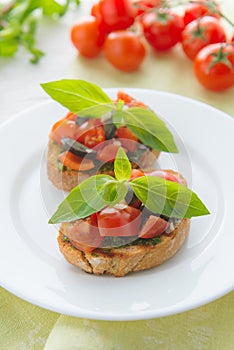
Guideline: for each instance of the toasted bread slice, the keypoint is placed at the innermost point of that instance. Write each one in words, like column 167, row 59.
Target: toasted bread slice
column 67, row 179
column 123, row 260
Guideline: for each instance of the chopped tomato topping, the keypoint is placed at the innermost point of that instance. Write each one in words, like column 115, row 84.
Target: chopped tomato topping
column 128, row 139
column 119, row 221
column 75, row 162
column 63, row 128
column 85, row 235
column 153, row 227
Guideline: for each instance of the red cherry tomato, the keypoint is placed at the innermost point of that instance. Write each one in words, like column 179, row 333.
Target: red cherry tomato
column 88, row 37
column 164, row 175
column 153, row 227
column 84, row 235
column 91, row 133
column 232, row 39
column 200, row 33
column 117, row 14
column 64, row 127
column 124, row 50
column 128, row 139
column 119, row 221
column 144, row 6
column 200, row 9
column 214, row 66
column 108, row 152
column 162, row 29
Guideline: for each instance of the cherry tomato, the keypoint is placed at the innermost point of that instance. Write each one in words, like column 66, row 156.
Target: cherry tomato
column 128, row 139
column 144, row 6
column 232, row 39
column 84, row 235
column 162, row 29
column 153, row 227
column 64, row 127
column 200, row 9
column 200, row 33
column 75, row 162
column 214, row 66
column 88, row 37
column 91, row 133
column 136, row 173
column 108, row 152
column 117, row 14
column 119, row 221
column 124, row 50
column 164, row 175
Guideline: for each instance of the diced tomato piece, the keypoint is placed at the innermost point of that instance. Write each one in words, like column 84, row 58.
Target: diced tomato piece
column 128, row 139
column 119, row 221
column 108, row 152
column 153, row 227
column 71, row 116
column 164, row 175
column 63, row 128
column 136, row 173
column 129, row 101
column 75, row 162
column 84, row 235
column 91, row 133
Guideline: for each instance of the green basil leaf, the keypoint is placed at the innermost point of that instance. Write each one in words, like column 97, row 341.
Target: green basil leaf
column 77, row 95
column 96, row 111
column 83, row 200
column 168, row 198
column 149, row 129
column 118, row 117
column 114, row 193
column 122, row 166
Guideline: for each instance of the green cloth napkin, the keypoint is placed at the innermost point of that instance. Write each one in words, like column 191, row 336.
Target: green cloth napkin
column 24, row 326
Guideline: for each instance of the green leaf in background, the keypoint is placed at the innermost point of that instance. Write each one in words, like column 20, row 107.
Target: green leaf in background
column 77, row 95
column 85, row 199
column 168, row 198
column 150, row 129
column 122, row 166
column 16, row 19
column 52, row 7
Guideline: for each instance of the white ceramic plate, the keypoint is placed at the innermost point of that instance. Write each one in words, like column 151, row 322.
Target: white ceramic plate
column 30, row 263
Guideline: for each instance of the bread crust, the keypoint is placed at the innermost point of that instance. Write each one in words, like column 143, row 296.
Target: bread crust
column 67, row 179
column 123, row 260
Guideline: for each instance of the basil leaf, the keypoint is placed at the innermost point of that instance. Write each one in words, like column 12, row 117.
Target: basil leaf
column 115, row 192
column 83, row 200
column 168, row 198
column 96, row 111
column 118, row 117
column 149, row 129
column 77, row 95
column 122, row 166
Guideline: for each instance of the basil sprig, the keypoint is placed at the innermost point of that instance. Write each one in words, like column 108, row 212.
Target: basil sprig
column 89, row 100
column 159, row 195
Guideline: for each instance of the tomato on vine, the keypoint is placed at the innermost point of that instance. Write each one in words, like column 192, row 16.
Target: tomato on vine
column 200, row 33
column 214, row 66
column 124, row 50
column 117, row 14
column 162, row 29
column 199, row 9
column 87, row 36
